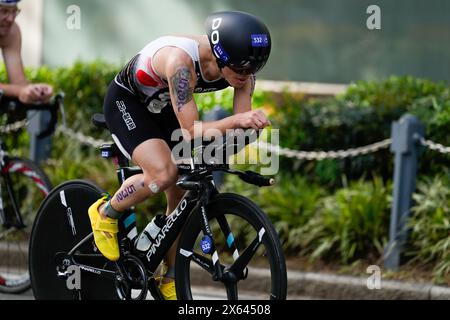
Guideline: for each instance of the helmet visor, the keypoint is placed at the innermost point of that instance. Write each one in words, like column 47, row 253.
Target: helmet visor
column 246, row 69
column 242, row 70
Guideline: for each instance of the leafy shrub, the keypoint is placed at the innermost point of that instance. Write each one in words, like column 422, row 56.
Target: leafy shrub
column 430, row 225
column 362, row 116
column 290, row 204
column 351, row 224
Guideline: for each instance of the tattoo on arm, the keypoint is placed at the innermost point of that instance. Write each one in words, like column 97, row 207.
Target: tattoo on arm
column 253, row 81
column 181, row 90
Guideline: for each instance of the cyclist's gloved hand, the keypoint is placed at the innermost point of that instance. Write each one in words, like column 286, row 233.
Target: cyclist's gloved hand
column 255, row 119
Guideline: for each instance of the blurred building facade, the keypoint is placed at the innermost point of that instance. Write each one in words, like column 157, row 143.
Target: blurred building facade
column 313, row 40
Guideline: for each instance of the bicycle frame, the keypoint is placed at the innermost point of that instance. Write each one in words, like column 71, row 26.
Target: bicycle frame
column 4, row 162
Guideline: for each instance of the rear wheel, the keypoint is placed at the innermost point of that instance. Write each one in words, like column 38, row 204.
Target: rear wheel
column 247, row 246
column 62, row 222
column 28, row 185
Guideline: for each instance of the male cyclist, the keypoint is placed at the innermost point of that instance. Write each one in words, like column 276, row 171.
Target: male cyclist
column 153, row 96
column 11, row 43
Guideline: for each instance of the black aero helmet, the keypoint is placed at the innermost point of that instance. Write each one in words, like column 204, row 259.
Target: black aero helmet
column 239, row 41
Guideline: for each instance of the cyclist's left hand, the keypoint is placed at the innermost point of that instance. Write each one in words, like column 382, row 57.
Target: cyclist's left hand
column 43, row 92
column 255, row 119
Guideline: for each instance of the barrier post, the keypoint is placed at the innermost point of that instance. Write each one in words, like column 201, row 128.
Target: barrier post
column 406, row 134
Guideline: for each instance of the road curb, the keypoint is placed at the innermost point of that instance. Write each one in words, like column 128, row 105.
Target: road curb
column 336, row 287
column 327, row 286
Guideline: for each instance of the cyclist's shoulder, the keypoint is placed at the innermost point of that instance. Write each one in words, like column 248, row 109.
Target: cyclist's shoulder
column 183, row 47
column 172, row 58
column 176, row 58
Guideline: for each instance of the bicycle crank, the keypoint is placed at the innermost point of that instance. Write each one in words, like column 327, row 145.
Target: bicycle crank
column 131, row 279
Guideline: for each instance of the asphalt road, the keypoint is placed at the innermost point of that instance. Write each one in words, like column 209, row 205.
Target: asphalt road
column 200, row 293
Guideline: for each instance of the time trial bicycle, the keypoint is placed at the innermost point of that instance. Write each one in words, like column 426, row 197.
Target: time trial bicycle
column 224, row 238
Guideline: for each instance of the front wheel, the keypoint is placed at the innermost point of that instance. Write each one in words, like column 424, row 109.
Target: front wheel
column 23, row 189
column 248, row 248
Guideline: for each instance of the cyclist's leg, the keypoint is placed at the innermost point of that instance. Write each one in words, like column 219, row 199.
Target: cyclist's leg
column 167, row 281
column 159, row 173
column 138, row 136
column 174, row 196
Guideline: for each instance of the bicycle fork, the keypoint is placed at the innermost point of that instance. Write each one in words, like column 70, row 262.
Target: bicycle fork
column 208, row 246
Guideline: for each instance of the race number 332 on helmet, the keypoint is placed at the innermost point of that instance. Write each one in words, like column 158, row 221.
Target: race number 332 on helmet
column 239, row 41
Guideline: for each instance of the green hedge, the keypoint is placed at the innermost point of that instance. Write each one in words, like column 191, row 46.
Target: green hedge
column 362, row 116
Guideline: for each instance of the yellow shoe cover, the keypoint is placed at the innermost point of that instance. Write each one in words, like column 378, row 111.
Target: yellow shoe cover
column 168, row 290
column 108, row 246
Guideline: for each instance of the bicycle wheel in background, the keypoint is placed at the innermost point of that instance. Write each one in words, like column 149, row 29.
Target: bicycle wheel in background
column 243, row 233
column 29, row 186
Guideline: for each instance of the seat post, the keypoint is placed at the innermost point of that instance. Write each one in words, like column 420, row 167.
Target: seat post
column 123, row 164
column 111, row 151
column 122, row 161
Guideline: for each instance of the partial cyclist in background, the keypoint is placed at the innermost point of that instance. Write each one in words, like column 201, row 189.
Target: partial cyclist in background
column 153, row 96
column 11, row 43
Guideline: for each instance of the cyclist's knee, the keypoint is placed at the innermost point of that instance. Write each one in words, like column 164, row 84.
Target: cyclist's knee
column 162, row 179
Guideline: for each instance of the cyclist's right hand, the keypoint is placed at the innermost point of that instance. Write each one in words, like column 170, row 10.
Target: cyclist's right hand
column 255, row 119
column 32, row 93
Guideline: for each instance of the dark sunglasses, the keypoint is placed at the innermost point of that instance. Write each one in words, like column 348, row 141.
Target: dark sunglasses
column 242, row 71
